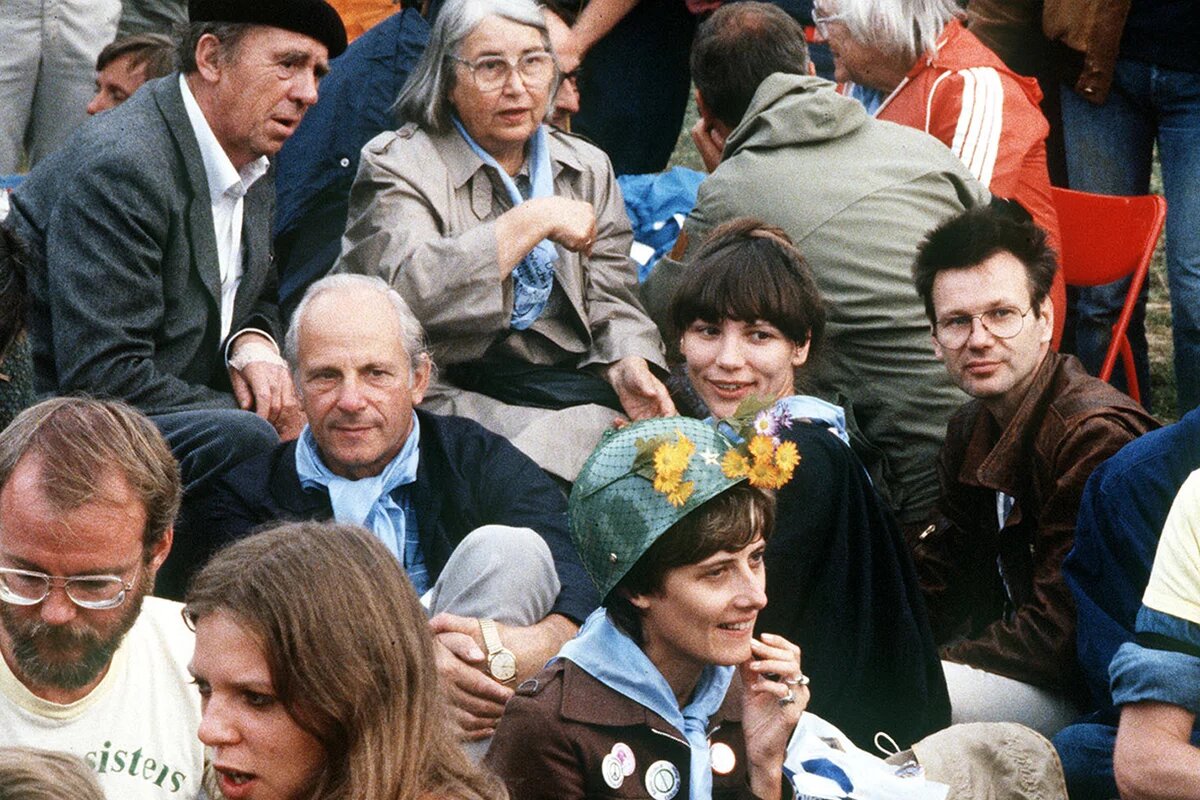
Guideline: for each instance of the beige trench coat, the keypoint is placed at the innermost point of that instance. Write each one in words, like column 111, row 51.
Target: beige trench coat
column 422, row 217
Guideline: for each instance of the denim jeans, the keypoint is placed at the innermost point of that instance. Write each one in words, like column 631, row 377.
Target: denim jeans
column 1110, row 151
column 1086, row 752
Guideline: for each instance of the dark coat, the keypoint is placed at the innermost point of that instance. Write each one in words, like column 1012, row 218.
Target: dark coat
column 467, row 477
column 124, row 272
column 1121, row 517
column 559, row 726
column 841, row 585
column 316, row 167
column 1021, row 625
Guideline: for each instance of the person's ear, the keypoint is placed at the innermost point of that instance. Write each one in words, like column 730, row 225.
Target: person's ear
column 160, row 550
column 704, row 111
column 639, row 601
column 800, row 353
column 1046, row 315
column 209, row 58
column 420, row 379
column 937, row 346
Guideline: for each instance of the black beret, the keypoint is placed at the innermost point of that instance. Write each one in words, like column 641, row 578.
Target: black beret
column 314, row 18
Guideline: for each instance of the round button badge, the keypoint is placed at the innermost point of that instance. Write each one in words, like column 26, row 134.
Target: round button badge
column 614, row 773
column 722, row 758
column 662, row 780
column 624, row 756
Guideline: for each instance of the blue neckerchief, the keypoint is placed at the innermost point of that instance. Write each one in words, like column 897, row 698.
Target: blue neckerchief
column 612, row 658
column 871, row 99
column 367, row 501
column 533, row 277
column 803, row 406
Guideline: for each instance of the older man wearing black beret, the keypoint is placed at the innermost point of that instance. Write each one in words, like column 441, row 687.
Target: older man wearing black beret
column 151, row 272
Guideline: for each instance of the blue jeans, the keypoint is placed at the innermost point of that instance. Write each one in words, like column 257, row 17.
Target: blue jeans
column 1086, row 751
column 1110, row 151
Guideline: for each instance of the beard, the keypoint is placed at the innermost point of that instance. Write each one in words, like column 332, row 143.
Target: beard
column 69, row 656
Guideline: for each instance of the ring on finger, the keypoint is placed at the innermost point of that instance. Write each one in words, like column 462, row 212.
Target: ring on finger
column 788, row 698
column 800, row 680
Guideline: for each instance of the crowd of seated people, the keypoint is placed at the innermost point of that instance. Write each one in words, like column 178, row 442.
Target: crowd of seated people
column 479, row 516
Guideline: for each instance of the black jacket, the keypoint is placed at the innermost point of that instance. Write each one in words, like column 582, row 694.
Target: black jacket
column 467, row 477
column 841, row 585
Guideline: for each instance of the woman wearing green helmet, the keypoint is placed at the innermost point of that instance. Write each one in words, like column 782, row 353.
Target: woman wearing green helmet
column 665, row 692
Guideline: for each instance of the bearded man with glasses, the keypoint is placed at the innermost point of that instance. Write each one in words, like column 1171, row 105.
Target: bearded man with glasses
column 1012, row 471
column 89, row 491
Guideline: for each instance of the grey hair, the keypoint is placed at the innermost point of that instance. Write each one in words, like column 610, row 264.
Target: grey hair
column 412, row 335
column 425, row 98
column 898, row 28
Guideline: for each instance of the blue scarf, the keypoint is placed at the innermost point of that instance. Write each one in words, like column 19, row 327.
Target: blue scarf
column 803, row 406
column 533, row 277
column 367, row 501
column 612, row 658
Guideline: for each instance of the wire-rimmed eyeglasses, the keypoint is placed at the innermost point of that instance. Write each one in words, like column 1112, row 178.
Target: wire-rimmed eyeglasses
column 491, row 73
column 1003, row 322
column 23, row 587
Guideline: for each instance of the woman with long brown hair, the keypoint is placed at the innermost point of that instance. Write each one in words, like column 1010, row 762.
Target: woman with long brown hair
column 316, row 674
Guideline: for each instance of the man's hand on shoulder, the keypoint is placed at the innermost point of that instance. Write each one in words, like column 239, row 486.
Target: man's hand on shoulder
column 262, row 384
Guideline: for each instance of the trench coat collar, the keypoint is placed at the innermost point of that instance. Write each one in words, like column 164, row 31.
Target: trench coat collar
column 462, row 162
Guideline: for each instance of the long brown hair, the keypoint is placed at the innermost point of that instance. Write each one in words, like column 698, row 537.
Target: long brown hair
column 351, row 658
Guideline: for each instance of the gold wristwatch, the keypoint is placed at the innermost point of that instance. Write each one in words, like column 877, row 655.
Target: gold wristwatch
column 502, row 664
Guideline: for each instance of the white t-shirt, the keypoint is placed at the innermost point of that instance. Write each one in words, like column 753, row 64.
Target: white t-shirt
column 1174, row 586
column 137, row 728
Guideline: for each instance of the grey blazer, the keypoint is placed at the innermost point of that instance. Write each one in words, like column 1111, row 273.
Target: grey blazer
column 124, row 274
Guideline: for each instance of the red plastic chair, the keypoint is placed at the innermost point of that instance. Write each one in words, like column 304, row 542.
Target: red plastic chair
column 1104, row 239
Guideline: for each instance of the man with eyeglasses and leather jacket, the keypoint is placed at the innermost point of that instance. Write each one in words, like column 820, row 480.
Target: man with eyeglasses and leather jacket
column 91, row 665
column 1012, row 471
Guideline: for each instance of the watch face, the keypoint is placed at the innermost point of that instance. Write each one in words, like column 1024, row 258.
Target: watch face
column 503, row 666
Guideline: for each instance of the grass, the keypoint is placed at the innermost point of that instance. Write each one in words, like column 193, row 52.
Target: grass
column 1158, row 309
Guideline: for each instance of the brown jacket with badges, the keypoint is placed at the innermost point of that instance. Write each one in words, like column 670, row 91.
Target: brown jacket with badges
column 996, row 596
column 556, row 731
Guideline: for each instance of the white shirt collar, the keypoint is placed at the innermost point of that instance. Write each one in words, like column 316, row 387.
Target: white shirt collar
column 222, row 176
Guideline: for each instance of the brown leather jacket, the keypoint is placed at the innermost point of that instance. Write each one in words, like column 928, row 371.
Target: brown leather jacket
column 1003, row 589
column 558, row 728
column 1093, row 30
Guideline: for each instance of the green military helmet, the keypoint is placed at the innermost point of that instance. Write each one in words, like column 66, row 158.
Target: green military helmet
column 616, row 512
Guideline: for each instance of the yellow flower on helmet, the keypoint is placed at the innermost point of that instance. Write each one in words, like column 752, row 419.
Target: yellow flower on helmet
column 672, row 458
column 762, row 447
column 786, row 458
column 680, row 494
column 665, row 483
column 734, row 464
column 764, row 475
column 670, row 462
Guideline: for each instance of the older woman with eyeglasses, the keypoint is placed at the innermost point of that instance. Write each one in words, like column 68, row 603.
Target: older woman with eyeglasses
column 509, row 240
column 913, row 63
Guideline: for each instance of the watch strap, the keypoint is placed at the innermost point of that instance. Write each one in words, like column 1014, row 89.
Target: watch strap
column 491, row 635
